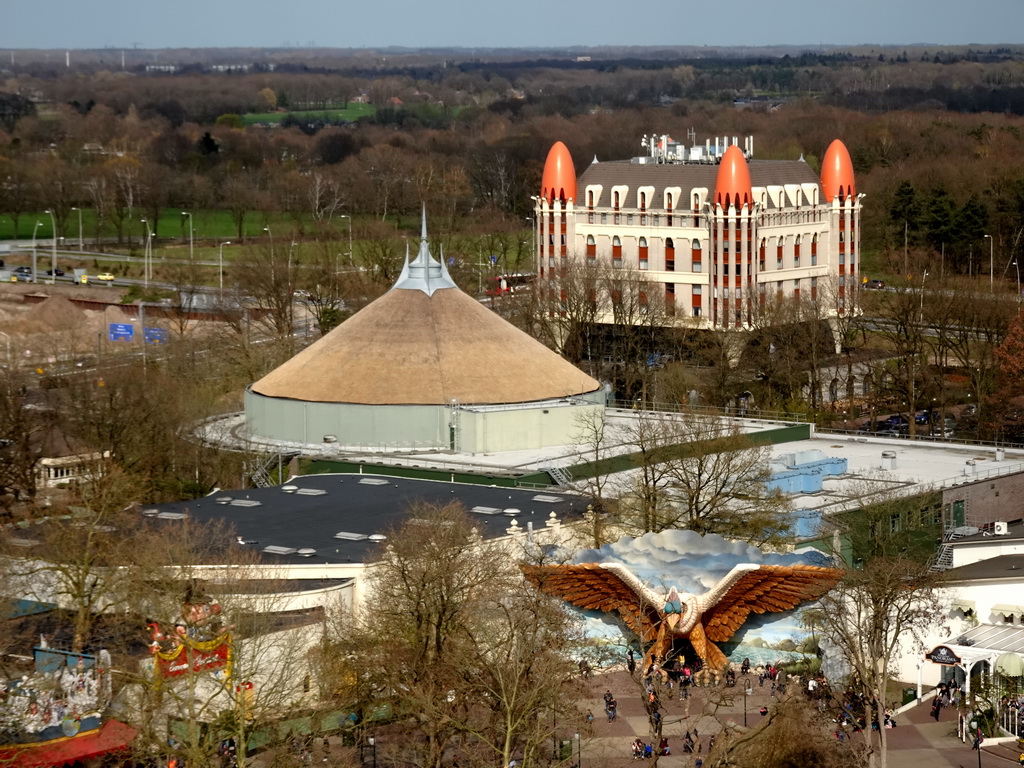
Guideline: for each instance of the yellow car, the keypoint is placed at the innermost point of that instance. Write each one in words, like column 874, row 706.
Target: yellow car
column 105, row 276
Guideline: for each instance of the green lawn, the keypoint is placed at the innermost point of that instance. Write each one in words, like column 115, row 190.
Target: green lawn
column 207, row 224
column 352, row 113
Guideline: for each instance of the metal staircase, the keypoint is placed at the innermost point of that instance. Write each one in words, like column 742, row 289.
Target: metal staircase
column 559, row 475
column 259, row 471
column 944, row 560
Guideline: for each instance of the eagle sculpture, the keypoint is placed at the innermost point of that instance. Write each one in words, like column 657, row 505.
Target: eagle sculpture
column 704, row 620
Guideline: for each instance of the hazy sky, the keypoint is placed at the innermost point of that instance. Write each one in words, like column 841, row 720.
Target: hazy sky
column 424, row 23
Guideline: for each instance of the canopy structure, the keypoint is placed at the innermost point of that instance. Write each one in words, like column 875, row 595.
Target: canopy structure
column 993, row 644
column 113, row 736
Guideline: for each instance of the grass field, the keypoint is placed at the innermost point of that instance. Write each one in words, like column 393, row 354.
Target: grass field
column 207, row 224
column 352, row 113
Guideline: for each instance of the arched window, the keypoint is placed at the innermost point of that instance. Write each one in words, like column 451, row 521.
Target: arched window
column 814, row 250
column 642, row 245
column 668, row 208
column 670, row 255
column 695, row 255
column 796, row 251
column 761, row 254
column 591, row 247
column 696, row 210
column 615, row 204
column 643, row 202
column 616, row 252
column 590, row 198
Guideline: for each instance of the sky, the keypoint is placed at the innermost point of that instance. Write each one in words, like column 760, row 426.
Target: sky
column 62, row 24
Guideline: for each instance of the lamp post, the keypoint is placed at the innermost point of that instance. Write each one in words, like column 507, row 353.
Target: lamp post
column 191, row 240
column 921, row 313
column 991, row 264
column 351, row 259
column 80, row 245
column 579, row 750
column 371, row 744
column 35, row 231
column 226, row 242
column 977, row 739
column 147, row 253
column 53, row 247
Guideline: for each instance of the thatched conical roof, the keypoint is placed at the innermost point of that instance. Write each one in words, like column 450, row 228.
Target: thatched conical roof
column 425, row 342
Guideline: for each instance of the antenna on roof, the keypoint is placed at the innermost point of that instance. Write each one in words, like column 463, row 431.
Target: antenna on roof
column 423, row 226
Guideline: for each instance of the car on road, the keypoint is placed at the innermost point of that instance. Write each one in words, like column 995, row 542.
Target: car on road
column 23, row 270
column 105, row 277
column 875, row 285
column 57, row 272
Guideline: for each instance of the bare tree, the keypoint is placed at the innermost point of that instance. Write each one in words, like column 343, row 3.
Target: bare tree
column 876, row 613
column 698, row 471
column 470, row 657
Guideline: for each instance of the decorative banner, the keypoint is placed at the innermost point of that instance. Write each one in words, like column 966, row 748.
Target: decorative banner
column 179, row 654
column 940, row 654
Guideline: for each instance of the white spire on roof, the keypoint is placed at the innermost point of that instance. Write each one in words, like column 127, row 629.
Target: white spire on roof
column 423, row 273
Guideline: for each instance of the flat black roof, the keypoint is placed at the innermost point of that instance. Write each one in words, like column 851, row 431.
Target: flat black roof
column 308, row 511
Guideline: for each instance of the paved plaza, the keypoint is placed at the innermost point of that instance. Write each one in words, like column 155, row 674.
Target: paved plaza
column 917, row 741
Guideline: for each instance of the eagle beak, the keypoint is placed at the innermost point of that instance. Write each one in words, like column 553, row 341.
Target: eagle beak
column 672, row 620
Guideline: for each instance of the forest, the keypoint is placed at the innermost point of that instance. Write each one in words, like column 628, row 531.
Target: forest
column 314, row 161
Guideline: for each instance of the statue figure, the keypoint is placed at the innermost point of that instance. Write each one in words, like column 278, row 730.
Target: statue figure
column 704, row 620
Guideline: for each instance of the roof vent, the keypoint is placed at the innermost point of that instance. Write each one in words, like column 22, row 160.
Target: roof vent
column 330, row 438
column 306, row 552
column 289, row 488
column 351, row 536
column 150, row 512
column 171, row 515
column 223, row 500
column 547, row 499
column 276, row 550
column 378, row 537
column 486, row 510
column 245, row 503
column 512, row 511
column 373, row 481
column 311, row 492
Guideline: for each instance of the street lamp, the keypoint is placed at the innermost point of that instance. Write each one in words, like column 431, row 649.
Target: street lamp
column 351, row 259
column 53, row 247
column 746, row 692
column 991, row 264
column 191, row 241
column 371, row 744
column 35, row 230
column 80, row 246
column 579, row 751
column 227, row 242
column 977, row 739
column 923, row 278
column 147, row 253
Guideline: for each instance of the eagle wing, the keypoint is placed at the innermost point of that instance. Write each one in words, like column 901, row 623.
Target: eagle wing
column 761, row 589
column 606, row 587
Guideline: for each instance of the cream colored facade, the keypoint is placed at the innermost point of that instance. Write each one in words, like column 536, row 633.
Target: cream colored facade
column 712, row 266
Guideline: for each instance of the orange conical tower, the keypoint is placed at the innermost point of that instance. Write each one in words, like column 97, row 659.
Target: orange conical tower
column 559, row 179
column 837, row 173
column 732, row 187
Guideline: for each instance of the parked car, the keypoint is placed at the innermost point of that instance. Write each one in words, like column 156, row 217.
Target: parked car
column 105, row 277
column 57, row 272
column 23, row 270
column 875, row 285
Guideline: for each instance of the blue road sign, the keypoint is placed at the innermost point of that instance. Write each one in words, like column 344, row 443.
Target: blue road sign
column 494, row 259
column 155, row 335
column 122, row 332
